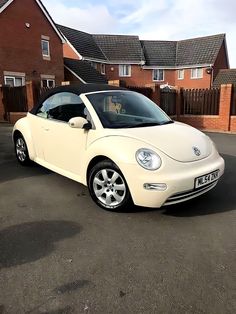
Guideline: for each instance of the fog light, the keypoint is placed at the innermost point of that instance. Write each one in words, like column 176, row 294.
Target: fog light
column 155, row 186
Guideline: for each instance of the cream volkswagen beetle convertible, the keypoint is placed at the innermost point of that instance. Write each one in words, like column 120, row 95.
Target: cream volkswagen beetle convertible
column 119, row 144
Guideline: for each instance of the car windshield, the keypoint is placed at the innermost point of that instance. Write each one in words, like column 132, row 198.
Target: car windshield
column 124, row 109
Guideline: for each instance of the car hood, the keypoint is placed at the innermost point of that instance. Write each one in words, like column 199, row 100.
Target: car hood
column 177, row 140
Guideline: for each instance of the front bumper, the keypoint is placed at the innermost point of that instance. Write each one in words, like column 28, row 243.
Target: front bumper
column 179, row 178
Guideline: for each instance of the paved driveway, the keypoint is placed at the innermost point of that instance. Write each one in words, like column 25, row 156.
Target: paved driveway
column 60, row 253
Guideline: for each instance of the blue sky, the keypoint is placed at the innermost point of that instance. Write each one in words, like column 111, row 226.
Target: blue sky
column 150, row 19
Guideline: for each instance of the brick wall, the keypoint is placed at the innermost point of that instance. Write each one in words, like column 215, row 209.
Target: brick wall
column 141, row 77
column 68, row 52
column 187, row 82
column 222, row 122
column 20, row 49
column 233, row 123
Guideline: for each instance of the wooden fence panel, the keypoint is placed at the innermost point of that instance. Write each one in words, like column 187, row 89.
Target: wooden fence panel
column 200, row 101
column 146, row 91
column 168, row 101
column 15, row 99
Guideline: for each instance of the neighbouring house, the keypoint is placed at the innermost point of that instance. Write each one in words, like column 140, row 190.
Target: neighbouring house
column 31, row 49
column 116, row 57
column 83, row 59
column 125, row 58
column 31, row 46
column 227, row 76
column 191, row 63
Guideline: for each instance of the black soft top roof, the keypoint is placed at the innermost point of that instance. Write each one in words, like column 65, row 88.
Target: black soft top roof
column 76, row 89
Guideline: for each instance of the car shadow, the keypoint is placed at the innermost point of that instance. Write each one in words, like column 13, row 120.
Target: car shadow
column 12, row 170
column 28, row 242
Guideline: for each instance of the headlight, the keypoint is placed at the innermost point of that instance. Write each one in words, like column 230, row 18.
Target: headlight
column 148, row 159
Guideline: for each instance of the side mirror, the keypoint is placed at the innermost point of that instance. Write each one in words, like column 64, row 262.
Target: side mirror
column 80, row 123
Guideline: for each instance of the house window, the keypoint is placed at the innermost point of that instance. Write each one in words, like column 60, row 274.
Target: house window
column 45, row 48
column 49, row 83
column 14, row 81
column 180, row 74
column 103, row 69
column 196, row 73
column 124, row 70
column 158, row 75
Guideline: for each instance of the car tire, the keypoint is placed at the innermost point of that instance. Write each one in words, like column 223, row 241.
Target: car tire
column 21, row 151
column 108, row 187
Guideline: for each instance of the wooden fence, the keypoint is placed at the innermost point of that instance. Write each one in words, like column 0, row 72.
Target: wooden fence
column 14, row 99
column 200, row 101
column 39, row 91
column 146, row 91
column 233, row 101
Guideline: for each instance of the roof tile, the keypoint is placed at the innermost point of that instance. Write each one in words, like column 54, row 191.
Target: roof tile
column 227, row 76
column 120, row 47
column 83, row 43
column 85, row 71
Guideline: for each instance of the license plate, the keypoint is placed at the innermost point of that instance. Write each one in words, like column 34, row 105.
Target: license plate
column 206, row 179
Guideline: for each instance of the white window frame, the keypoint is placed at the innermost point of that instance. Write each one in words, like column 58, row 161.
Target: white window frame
column 103, row 68
column 14, row 79
column 124, row 70
column 196, row 73
column 181, row 74
column 48, row 45
column 48, row 80
column 158, row 71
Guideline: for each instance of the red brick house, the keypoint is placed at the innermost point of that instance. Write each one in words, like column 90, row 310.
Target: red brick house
column 191, row 63
column 31, row 47
column 84, row 61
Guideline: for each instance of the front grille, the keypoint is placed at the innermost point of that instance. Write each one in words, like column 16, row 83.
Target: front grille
column 180, row 197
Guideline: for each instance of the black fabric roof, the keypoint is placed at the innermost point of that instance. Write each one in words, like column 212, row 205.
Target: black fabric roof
column 120, row 47
column 202, row 50
column 83, row 42
column 85, row 71
column 161, row 53
column 76, row 89
column 2, row 2
column 227, row 76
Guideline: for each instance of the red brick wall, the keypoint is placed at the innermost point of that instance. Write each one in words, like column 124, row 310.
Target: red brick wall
column 223, row 122
column 233, row 124
column 187, row 82
column 68, row 52
column 20, row 47
column 139, row 76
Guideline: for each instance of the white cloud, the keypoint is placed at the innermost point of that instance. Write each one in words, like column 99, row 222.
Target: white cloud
column 162, row 19
column 92, row 19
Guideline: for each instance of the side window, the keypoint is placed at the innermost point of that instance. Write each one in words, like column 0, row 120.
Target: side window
column 63, row 107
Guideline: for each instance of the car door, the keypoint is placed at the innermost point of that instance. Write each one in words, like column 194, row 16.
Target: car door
column 63, row 147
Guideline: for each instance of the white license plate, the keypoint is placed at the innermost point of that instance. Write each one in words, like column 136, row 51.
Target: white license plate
column 206, row 179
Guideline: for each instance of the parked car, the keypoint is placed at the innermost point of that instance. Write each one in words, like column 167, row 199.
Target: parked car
column 120, row 144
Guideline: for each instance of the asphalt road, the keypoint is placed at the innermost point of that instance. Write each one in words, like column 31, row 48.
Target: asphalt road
column 60, row 253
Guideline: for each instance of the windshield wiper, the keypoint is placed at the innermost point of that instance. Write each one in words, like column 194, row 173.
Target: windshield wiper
column 167, row 122
column 139, row 125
